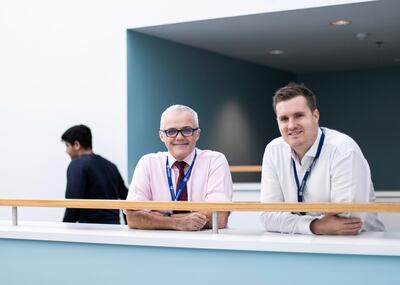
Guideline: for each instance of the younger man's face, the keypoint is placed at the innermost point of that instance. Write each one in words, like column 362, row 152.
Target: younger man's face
column 297, row 124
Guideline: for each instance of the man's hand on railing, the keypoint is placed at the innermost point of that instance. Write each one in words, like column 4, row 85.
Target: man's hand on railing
column 222, row 219
column 331, row 224
column 190, row 222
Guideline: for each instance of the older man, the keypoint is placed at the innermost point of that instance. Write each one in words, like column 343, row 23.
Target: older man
column 184, row 173
column 312, row 164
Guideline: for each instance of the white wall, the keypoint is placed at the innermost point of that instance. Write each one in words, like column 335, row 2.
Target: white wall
column 61, row 63
column 64, row 63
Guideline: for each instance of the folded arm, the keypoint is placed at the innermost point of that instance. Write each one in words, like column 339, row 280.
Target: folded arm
column 351, row 182
column 181, row 222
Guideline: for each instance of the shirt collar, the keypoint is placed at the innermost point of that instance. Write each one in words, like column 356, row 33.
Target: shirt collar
column 312, row 151
column 188, row 159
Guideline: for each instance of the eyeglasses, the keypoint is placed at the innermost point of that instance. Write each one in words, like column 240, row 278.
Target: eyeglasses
column 173, row 133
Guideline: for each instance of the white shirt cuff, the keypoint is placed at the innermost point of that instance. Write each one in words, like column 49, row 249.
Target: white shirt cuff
column 303, row 225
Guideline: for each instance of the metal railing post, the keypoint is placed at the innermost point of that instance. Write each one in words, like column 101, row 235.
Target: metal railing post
column 215, row 222
column 14, row 216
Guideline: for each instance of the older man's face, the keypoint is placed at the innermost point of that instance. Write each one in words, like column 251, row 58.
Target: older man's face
column 179, row 147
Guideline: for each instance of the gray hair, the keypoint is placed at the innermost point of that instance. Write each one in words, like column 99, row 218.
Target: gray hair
column 180, row 108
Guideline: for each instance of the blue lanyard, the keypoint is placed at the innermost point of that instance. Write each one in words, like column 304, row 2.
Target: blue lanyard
column 183, row 183
column 300, row 188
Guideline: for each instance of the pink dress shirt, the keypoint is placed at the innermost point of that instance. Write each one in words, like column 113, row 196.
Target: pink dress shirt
column 210, row 179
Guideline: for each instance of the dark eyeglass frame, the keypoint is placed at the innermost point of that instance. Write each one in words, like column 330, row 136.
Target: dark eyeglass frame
column 179, row 131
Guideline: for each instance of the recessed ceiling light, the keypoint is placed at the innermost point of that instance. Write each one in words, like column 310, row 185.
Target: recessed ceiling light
column 362, row 36
column 341, row 22
column 276, row 51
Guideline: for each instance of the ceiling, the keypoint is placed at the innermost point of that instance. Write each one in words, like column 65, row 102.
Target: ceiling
column 310, row 43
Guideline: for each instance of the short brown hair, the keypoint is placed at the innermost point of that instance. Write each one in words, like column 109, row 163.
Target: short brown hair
column 293, row 90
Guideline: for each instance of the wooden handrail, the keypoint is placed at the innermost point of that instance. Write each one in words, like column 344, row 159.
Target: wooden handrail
column 245, row 168
column 206, row 206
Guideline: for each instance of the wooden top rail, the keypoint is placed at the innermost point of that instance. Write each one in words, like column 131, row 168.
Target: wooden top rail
column 245, row 168
column 206, row 206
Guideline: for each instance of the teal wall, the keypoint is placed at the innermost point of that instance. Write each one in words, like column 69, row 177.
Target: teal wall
column 365, row 105
column 49, row 263
column 232, row 98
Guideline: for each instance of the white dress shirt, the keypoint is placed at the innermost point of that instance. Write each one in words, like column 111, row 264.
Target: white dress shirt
column 340, row 174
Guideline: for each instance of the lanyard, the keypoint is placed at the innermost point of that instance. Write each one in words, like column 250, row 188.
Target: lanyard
column 300, row 188
column 183, row 183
